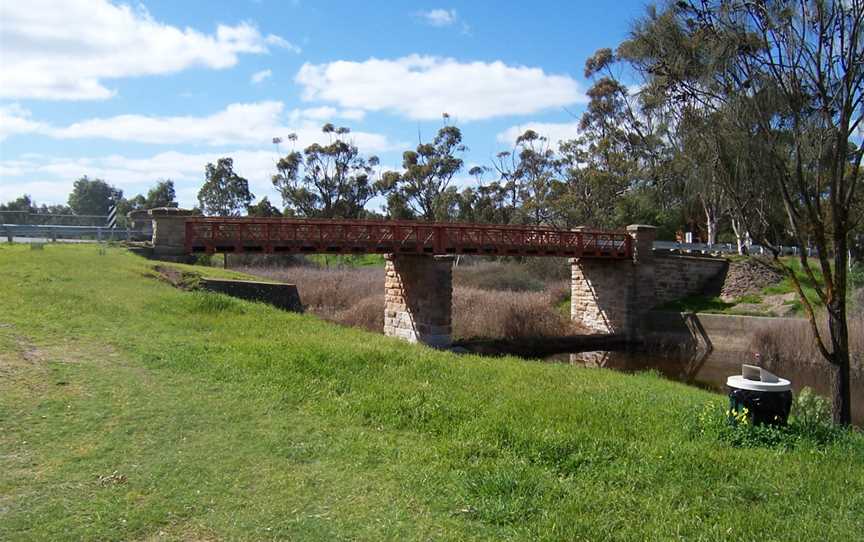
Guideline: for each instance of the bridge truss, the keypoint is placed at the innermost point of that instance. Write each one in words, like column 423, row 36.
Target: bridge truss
column 337, row 236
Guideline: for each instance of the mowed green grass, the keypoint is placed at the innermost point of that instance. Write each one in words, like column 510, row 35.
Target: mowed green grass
column 130, row 410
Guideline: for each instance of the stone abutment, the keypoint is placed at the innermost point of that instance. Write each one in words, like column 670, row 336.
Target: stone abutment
column 169, row 232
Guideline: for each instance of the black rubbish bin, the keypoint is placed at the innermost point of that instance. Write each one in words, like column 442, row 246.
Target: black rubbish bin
column 767, row 397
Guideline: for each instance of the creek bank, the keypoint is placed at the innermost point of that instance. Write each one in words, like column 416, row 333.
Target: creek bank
column 748, row 276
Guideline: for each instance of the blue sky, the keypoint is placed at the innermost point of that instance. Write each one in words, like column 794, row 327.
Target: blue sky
column 137, row 92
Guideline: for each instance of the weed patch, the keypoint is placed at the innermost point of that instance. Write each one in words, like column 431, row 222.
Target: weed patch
column 809, row 427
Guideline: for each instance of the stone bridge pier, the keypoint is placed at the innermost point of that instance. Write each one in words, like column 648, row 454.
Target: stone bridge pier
column 419, row 298
column 612, row 296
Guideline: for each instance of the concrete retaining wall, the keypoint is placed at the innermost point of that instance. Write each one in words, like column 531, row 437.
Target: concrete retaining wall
column 730, row 336
column 283, row 296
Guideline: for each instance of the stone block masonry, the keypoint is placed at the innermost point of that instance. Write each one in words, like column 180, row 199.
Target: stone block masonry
column 419, row 298
column 611, row 296
column 169, row 232
column 601, row 294
column 681, row 276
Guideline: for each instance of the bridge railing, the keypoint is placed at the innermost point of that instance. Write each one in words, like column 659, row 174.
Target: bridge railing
column 359, row 236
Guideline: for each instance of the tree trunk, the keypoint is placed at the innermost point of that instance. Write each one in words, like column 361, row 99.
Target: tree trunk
column 840, row 385
column 740, row 239
column 710, row 222
column 840, row 392
column 839, row 329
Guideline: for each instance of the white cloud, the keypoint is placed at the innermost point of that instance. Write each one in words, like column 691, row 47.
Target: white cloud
column 553, row 131
column 14, row 119
column 244, row 124
column 439, row 17
column 252, row 123
column 258, row 77
column 279, row 41
column 65, row 50
column 424, row 87
column 132, row 175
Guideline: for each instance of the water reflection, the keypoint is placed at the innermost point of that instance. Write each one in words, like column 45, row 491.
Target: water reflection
column 709, row 371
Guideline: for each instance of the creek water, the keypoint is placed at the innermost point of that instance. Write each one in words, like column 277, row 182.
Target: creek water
column 710, row 371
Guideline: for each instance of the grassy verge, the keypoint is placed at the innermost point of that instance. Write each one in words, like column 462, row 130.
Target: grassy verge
column 808, row 286
column 131, row 410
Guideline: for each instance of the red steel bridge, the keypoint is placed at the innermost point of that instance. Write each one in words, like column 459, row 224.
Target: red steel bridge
column 339, row 236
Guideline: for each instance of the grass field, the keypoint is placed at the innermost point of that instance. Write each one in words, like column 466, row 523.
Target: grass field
column 130, row 410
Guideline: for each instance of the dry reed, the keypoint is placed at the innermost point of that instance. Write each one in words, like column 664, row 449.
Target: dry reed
column 792, row 342
column 355, row 297
column 490, row 314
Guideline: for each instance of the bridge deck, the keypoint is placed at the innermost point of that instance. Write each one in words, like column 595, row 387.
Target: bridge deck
column 336, row 236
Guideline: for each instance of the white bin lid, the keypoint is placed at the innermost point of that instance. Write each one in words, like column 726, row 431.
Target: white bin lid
column 754, row 378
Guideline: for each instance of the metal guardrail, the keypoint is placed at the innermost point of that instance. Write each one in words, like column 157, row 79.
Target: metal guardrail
column 92, row 233
column 724, row 248
column 50, row 219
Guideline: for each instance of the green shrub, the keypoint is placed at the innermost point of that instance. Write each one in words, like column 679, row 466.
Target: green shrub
column 749, row 298
column 856, row 276
column 811, row 419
